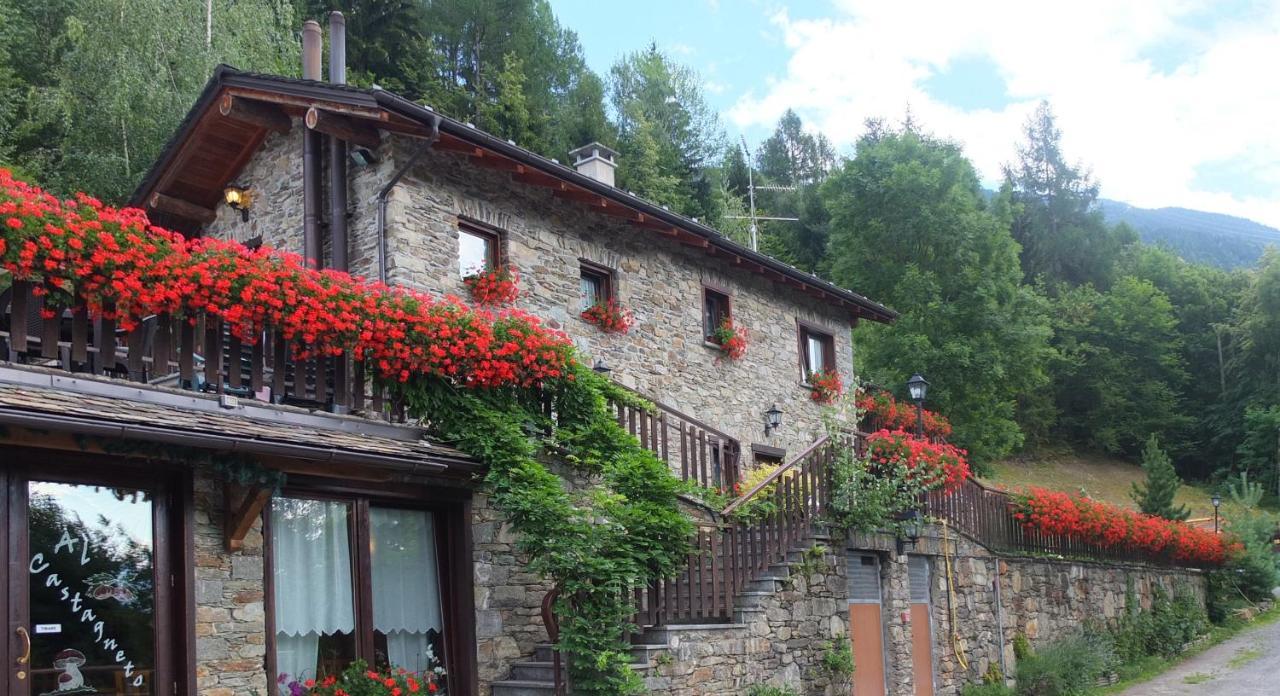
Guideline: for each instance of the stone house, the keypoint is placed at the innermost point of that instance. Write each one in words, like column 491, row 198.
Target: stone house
column 211, row 585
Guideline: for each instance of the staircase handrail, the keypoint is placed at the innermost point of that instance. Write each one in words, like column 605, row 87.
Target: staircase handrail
column 681, row 415
column 795, row 461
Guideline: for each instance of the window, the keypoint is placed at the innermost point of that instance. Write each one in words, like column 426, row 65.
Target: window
column 477, row 250
column 817, row 351
column 595, row 283
column 715, row 311
column 353, row 580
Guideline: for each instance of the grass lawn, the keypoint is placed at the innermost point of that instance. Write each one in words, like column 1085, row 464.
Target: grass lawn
column 1103, row 478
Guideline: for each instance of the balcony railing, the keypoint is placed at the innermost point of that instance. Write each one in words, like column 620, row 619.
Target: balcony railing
column 196, row 353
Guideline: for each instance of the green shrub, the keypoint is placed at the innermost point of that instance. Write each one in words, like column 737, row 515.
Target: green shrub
column 1249, row 576
column 837, row 658
column 986, row 690
column 1067, row 667
column 1021, row 647
column 766, row 690
column 1170, row 624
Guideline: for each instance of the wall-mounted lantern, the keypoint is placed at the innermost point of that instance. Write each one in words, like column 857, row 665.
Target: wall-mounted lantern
column 772, row 419
column 909, row 531
column 238, row 198
column 601, row 368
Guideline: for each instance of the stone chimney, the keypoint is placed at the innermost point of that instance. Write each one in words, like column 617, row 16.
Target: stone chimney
column 596, row 161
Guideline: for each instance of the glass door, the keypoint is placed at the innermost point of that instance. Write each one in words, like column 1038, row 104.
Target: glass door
column 82, row 586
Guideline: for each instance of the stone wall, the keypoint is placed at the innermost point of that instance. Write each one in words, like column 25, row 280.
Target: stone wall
column 230, row 616
column 508, row 597
column 781, row 641
column 1042, row 599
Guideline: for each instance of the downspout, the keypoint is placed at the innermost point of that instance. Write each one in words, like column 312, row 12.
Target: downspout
column 1004, row 668
column 386, row 190
column 338, row 149
column 311, row 51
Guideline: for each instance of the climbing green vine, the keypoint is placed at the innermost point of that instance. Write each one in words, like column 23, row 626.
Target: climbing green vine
column 614, row 528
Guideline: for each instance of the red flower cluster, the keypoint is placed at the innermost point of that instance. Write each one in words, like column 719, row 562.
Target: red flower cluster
column 927, row 465
column 116, row 264
column 883, row 411
column 496, row 286
column 731, row 339
column 1109, row 526
column 398, row 682
column 609, row 316
column 825, row 386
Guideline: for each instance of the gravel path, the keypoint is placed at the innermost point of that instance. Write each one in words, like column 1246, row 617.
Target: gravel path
column 1247, row 665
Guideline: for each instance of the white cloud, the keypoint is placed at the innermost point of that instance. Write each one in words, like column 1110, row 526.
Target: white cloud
column 1142, row 131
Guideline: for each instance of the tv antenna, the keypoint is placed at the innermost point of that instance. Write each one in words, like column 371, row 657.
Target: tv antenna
column 751, row 197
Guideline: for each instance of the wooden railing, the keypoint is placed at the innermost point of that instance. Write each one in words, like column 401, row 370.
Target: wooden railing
column 694, row 450
column 986, row 515
column 725, row 557
column 197, row 353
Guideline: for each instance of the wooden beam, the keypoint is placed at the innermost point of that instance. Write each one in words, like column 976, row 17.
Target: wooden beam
column 500, row 163
column 241, row 514
column 183, row 209
column 254, row 113
column 342, row 128
column 452, row 145
column 594, row 200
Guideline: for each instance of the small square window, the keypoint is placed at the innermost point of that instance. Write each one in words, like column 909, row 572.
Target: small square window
column 596, row 285
column 817, row 351
column 715, row 311
column 477, row 251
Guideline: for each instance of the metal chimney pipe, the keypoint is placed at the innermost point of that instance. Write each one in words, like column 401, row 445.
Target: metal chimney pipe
column 312, row 45
column 337, row 48
column 338, row 149
column 311, row 50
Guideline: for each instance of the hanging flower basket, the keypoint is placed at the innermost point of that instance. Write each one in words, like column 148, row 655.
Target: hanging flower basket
column 731, row 339
column 609, row 316
column 825, row 386
column 496, row 286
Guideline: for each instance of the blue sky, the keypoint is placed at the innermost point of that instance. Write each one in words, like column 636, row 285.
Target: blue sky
column 1169, row 102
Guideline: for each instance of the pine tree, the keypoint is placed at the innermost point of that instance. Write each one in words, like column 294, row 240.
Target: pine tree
column 1155, row 496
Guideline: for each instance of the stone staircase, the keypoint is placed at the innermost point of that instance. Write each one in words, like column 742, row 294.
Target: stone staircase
column 676, row 641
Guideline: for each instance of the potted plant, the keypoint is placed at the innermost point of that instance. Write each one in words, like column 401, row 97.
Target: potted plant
column 494, row 286
column 609, row 316
column 732, row 340
column 825, row 386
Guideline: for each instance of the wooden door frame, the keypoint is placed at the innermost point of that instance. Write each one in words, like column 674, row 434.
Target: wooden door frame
column 169, row 551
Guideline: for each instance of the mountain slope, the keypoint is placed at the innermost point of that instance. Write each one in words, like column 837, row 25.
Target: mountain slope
column 1212, row 238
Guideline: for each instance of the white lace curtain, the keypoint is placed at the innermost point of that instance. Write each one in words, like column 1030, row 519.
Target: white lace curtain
column 311, row 557
column 406, row 586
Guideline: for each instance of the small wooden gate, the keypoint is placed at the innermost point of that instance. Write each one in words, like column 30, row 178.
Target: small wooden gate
column 866, row 624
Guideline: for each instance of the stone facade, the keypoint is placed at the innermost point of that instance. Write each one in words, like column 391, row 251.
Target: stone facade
column 230, row 618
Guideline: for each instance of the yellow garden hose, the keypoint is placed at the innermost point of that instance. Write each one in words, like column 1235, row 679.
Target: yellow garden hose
column 951, row 600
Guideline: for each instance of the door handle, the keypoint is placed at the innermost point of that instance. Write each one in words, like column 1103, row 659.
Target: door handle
column 26, row 638
column 26, row 656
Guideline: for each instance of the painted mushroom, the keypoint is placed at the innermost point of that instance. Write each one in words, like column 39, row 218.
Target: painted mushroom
column 69, row 662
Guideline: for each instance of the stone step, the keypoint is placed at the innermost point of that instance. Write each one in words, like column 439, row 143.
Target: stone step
column 664, row 634
column 534, row 671
column 642, row 651
column 514, row 687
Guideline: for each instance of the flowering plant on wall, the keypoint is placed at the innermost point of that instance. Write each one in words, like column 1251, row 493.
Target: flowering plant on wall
column 925, row 465
column 359, row 680
column 825, row 386
column 881, row 410
column 609, row 316
column 495, row 286
column 731, row 339
column 1100, row 524
column 114, row 263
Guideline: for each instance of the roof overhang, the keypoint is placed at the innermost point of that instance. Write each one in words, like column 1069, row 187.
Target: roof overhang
column 237, row 111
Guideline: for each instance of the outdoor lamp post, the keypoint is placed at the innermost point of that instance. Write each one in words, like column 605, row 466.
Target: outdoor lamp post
column 1216, row 500
column 772, row 419
column 918, row 387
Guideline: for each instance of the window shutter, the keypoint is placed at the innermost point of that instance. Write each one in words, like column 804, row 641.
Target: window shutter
column 864, row 579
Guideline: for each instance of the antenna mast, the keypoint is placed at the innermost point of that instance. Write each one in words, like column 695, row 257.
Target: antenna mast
column 751, row 198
